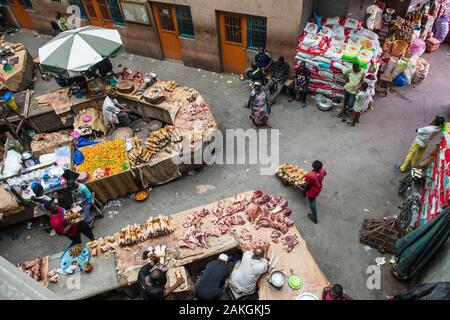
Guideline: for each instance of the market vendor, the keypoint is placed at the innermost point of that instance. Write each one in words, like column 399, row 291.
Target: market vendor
column 361, row 100
column 355, row 76
column 62, row 227
column 61, row 22
column 243, row 280
column 115, row 113
column 334, row 293
column 212, row 281
column 424, row 136
column 279, row 74
column 39, row 198
column 84, row 199
column 298, row 89
column 153, row 282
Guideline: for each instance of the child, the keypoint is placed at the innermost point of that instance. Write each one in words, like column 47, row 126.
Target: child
column 360, row 101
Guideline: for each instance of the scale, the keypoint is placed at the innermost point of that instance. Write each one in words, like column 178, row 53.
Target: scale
column 71, row 264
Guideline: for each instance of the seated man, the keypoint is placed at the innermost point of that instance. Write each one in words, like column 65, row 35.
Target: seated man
column 299, row 88
column 61, row 22
column 334, row 293
column 280, row 73
column 210, row 286
column 84, row 200
column 152, row 283
column 263, row 61
column 101, row 68
column 243, row 280
column 114, row 112
column 255, row 73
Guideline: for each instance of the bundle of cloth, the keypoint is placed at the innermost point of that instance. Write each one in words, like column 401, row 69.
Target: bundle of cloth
column 436, row 194
column 333, row 45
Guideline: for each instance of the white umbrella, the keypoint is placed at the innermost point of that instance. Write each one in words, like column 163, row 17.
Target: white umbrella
column 77, row 50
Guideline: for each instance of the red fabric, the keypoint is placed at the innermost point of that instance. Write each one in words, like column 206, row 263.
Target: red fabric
column 314, row 181
column 58, row 223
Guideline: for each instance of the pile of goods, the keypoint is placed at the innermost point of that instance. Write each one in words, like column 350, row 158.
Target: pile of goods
column 292, row 174
column 75, row 250
column 102, row 245
column 33, row 269
column 260, row 209
column 72, row 217
column 194, row 113
column 156, row 141
column 131, row 234
column 269, row 212
column 402, row 29
column 158, row 226
column 192, row 94
column 104, row 159
column 195, row 237
column 128, row 74
column 53, row 276
column 331, row 49
column 167, row 86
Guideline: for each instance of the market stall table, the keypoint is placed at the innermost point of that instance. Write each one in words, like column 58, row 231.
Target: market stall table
column 21, row 77
column 299, row 260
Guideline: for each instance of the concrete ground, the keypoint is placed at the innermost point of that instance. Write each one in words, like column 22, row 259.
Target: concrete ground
column 361, row 182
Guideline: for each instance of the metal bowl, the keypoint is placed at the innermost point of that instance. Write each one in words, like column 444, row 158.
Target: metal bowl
column 277, row 279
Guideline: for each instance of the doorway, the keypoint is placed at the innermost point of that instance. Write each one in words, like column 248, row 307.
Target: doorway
column 166, row 23
column 99, row 13
column 20, row 9
column 233, row 42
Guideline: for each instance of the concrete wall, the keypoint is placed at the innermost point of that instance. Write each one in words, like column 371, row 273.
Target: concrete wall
column 308, row 6
column 283, row 26
column 285, row 19
column 353, row 8
column 10, row 19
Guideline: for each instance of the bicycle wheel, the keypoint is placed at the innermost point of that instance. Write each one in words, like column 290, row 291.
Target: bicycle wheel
column 404, row 184
column 404, row 218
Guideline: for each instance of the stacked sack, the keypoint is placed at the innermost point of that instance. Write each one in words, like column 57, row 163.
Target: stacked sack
column 329, row 50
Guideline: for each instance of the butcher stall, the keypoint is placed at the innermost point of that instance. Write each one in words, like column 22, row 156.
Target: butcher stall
column 187, row 240
column 17, row 68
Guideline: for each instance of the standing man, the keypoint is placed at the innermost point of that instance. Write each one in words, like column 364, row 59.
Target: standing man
column 280, row 73
column 313, row 187
column 210, row 286
column 355, row 75
column 424, row 136
column 360, row 102
column 62, row 227
column 253, row 264
column 84, row 200
column 299, row 88
column 334, row 293
column 114, row 112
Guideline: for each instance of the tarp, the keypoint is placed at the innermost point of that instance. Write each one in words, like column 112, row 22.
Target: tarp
column 417, row 248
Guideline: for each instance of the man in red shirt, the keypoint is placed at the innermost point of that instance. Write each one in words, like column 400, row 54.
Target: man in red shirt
column 62, row 227
column 313, row 182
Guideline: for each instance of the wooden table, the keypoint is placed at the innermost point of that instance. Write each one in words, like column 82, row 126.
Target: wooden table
column 299, row 260
column 21, row 77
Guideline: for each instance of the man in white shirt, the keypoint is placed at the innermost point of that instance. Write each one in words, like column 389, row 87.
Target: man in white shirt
column 114, row 112
column 424, row 136
column 243, row 280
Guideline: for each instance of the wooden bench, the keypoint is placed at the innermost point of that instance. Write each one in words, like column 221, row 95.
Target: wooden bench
column 286, row 84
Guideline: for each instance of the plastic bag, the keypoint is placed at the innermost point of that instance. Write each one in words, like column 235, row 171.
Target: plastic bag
column 352, row 24
column 78, row 157
column 441, row 28
column 333, row 53
column 12, row 163
column 331, row 21
column 400, row 80
column 311, row 28
column 417, row 47
column 326, row 32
